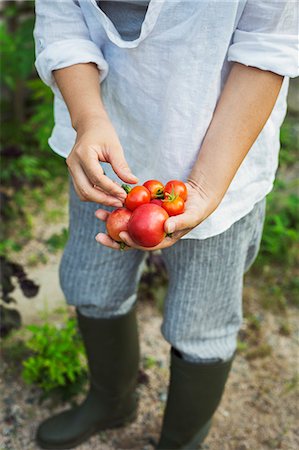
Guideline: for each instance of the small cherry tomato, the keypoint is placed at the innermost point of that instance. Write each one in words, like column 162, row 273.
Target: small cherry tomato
column 137, row 196
column 146, row 226
column 157, row 201
column 174, row 206
column 155, row 187
column 118, row 221
column 176, row 187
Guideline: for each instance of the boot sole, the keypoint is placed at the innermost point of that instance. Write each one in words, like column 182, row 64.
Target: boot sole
column 196, row 441
column 83, row 438
column 199, row 438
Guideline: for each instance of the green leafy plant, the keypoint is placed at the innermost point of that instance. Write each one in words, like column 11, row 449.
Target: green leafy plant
column 57, row 362
column 281, row 230
column 27, row 120
column 289, row 141
column 57, row 241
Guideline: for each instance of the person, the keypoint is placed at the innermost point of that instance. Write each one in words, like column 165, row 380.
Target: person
column 163, row 89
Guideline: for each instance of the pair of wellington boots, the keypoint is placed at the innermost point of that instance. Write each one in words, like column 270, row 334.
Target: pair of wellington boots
column 112, row 350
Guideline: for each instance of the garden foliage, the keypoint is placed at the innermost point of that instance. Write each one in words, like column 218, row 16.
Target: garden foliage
column 57, row 360
column 27, row 163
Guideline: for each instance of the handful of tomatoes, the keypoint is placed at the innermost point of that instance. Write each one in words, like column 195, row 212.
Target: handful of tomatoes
column 145, row 210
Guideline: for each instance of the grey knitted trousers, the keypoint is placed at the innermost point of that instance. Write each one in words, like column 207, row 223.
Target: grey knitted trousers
column 203, row 306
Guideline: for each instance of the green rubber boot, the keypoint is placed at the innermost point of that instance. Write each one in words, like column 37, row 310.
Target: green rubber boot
column 113, row 355
column 194, row 393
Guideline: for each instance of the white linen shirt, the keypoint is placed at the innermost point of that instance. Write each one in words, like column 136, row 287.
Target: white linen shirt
column 162, row 88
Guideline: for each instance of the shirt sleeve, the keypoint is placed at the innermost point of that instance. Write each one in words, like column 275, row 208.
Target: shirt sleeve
column 266, row 37
column 62, row 39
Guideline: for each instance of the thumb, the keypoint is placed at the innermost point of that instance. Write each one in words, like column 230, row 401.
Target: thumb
column 121, row 167
column 180, row 222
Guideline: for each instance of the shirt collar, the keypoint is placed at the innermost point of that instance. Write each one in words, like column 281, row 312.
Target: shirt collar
column 150, row 19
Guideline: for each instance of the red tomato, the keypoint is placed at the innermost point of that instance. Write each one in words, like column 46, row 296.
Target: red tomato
column 176, row 187
column 174, row 206
column 157, row 201
column 118, row 221
column 137, row 196
column 155, row 187
column 146, row 226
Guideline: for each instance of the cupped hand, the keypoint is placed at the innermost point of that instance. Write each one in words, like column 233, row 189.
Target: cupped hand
column 98, row 142
column 197, row 208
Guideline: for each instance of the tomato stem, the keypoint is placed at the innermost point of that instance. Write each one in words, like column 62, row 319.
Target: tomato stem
column 170, row 197
column 159, row 193
column 122, row 246
column 126, row 187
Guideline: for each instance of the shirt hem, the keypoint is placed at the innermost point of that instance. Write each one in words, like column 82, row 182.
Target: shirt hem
column 55, row 149
column 228, row 225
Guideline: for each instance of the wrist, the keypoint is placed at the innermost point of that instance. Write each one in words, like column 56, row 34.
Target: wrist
column 88, row 119
column 205, row 188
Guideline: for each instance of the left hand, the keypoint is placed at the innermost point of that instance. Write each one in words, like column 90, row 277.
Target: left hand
column 197, row 208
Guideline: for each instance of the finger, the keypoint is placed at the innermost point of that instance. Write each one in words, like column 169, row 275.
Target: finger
column 181, row 222
column 106, row 240
column 179, row 234
column 125, row 237
column 102, row 214
column 121, row 167
column 88, row 193
column 95, row 174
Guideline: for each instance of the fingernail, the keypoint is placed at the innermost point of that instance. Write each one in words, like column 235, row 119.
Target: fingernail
column 123, row 237
column 117, row 204
column 128, row 172
column 171, row 227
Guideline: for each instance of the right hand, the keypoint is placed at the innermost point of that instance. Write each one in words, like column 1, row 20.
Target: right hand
column 97, row 141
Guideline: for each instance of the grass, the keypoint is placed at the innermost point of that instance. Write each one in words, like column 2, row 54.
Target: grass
column 149, row 362
column 292, row 384
column 260, row 351
column 285, row 328
column 57, row 241
column 34, row 259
